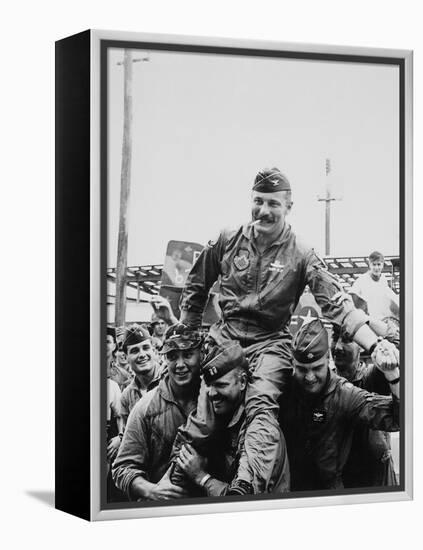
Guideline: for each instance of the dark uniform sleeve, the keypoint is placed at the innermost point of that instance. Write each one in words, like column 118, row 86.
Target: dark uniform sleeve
column 324, row 286
column 124, row 405
column 370, row 378
column 203, row 275
column 133, row 456
column 378, row 412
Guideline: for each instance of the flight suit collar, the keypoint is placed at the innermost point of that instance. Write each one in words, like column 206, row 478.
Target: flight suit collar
column 247, row 231
column 237, row 416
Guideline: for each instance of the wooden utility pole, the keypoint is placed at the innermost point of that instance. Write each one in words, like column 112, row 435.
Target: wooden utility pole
column 125, row 186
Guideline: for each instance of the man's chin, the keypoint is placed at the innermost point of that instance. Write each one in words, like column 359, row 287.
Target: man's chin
column 218, row 410
column 312, row 390
column 265, row 229
column 144, row 369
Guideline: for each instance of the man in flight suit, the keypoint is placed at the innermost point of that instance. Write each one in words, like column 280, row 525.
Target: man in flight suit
column 263, row 269
column 319, row 410
column 225, row 371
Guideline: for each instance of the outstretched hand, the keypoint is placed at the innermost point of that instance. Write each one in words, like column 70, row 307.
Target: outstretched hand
column 386, row 356
column 160, row 301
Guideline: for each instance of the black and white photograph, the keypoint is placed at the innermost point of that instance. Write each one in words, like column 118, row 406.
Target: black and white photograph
column 253, row 255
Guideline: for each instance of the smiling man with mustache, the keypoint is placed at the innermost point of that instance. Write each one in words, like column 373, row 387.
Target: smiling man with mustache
column 263, row 269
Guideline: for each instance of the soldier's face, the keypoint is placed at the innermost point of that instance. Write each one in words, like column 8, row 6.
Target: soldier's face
column 271, row 209
column 121, row 358
column 312, row 377
column 183, row 366
column 226, row 392
column 345, row 354
column 160, row 328
column 110, row 346
column 375, row 268
column 141, row 357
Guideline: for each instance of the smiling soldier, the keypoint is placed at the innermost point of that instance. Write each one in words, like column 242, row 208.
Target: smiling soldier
column 370, row 462
column 320, row 410
column 143, row 360
column 140, row 469
column 225, row 371
column 263, row 270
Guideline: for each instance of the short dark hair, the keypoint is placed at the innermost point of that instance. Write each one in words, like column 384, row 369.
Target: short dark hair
column 376, row 257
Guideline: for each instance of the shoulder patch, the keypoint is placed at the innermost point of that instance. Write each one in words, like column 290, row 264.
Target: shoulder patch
column 321, row 260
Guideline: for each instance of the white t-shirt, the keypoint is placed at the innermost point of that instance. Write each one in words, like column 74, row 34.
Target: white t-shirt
column 377, row 294
column 113, row 399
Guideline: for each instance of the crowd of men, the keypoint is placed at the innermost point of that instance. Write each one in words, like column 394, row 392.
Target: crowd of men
column 246, row 409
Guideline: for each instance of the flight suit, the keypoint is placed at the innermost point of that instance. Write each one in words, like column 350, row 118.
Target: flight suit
column 258, row 294
column 319, row 429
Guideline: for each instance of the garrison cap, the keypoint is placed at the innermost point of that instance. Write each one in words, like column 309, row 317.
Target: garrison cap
column 270, row 181
column 135, row 335
column 311, row 342
column 222, row 359
column 181, row 337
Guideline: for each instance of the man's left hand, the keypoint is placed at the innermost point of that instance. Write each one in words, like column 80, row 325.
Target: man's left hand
column 191, row 463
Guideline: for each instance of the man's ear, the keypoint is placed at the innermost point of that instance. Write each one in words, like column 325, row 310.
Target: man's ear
column 243, row 379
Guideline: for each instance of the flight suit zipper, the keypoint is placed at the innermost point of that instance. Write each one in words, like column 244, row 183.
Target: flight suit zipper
column 258, row 279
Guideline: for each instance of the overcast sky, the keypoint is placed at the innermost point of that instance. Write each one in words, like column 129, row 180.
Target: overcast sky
column 203, row 125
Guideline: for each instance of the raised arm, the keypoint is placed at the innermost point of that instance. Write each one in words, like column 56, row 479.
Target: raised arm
column 336, row 305
column 377, row 411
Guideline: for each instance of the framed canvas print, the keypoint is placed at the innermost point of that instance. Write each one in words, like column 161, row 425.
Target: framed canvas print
column 233, row 283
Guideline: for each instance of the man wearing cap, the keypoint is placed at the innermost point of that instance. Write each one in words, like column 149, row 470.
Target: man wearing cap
column 114, row 371
column 263, row 269
column 142, row 358
column 225, row 371
column 370, row 462
column 319, row 411
column 141, row 466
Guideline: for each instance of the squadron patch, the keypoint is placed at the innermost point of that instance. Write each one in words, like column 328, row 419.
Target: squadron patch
column 242, row 261
column 319, row 416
